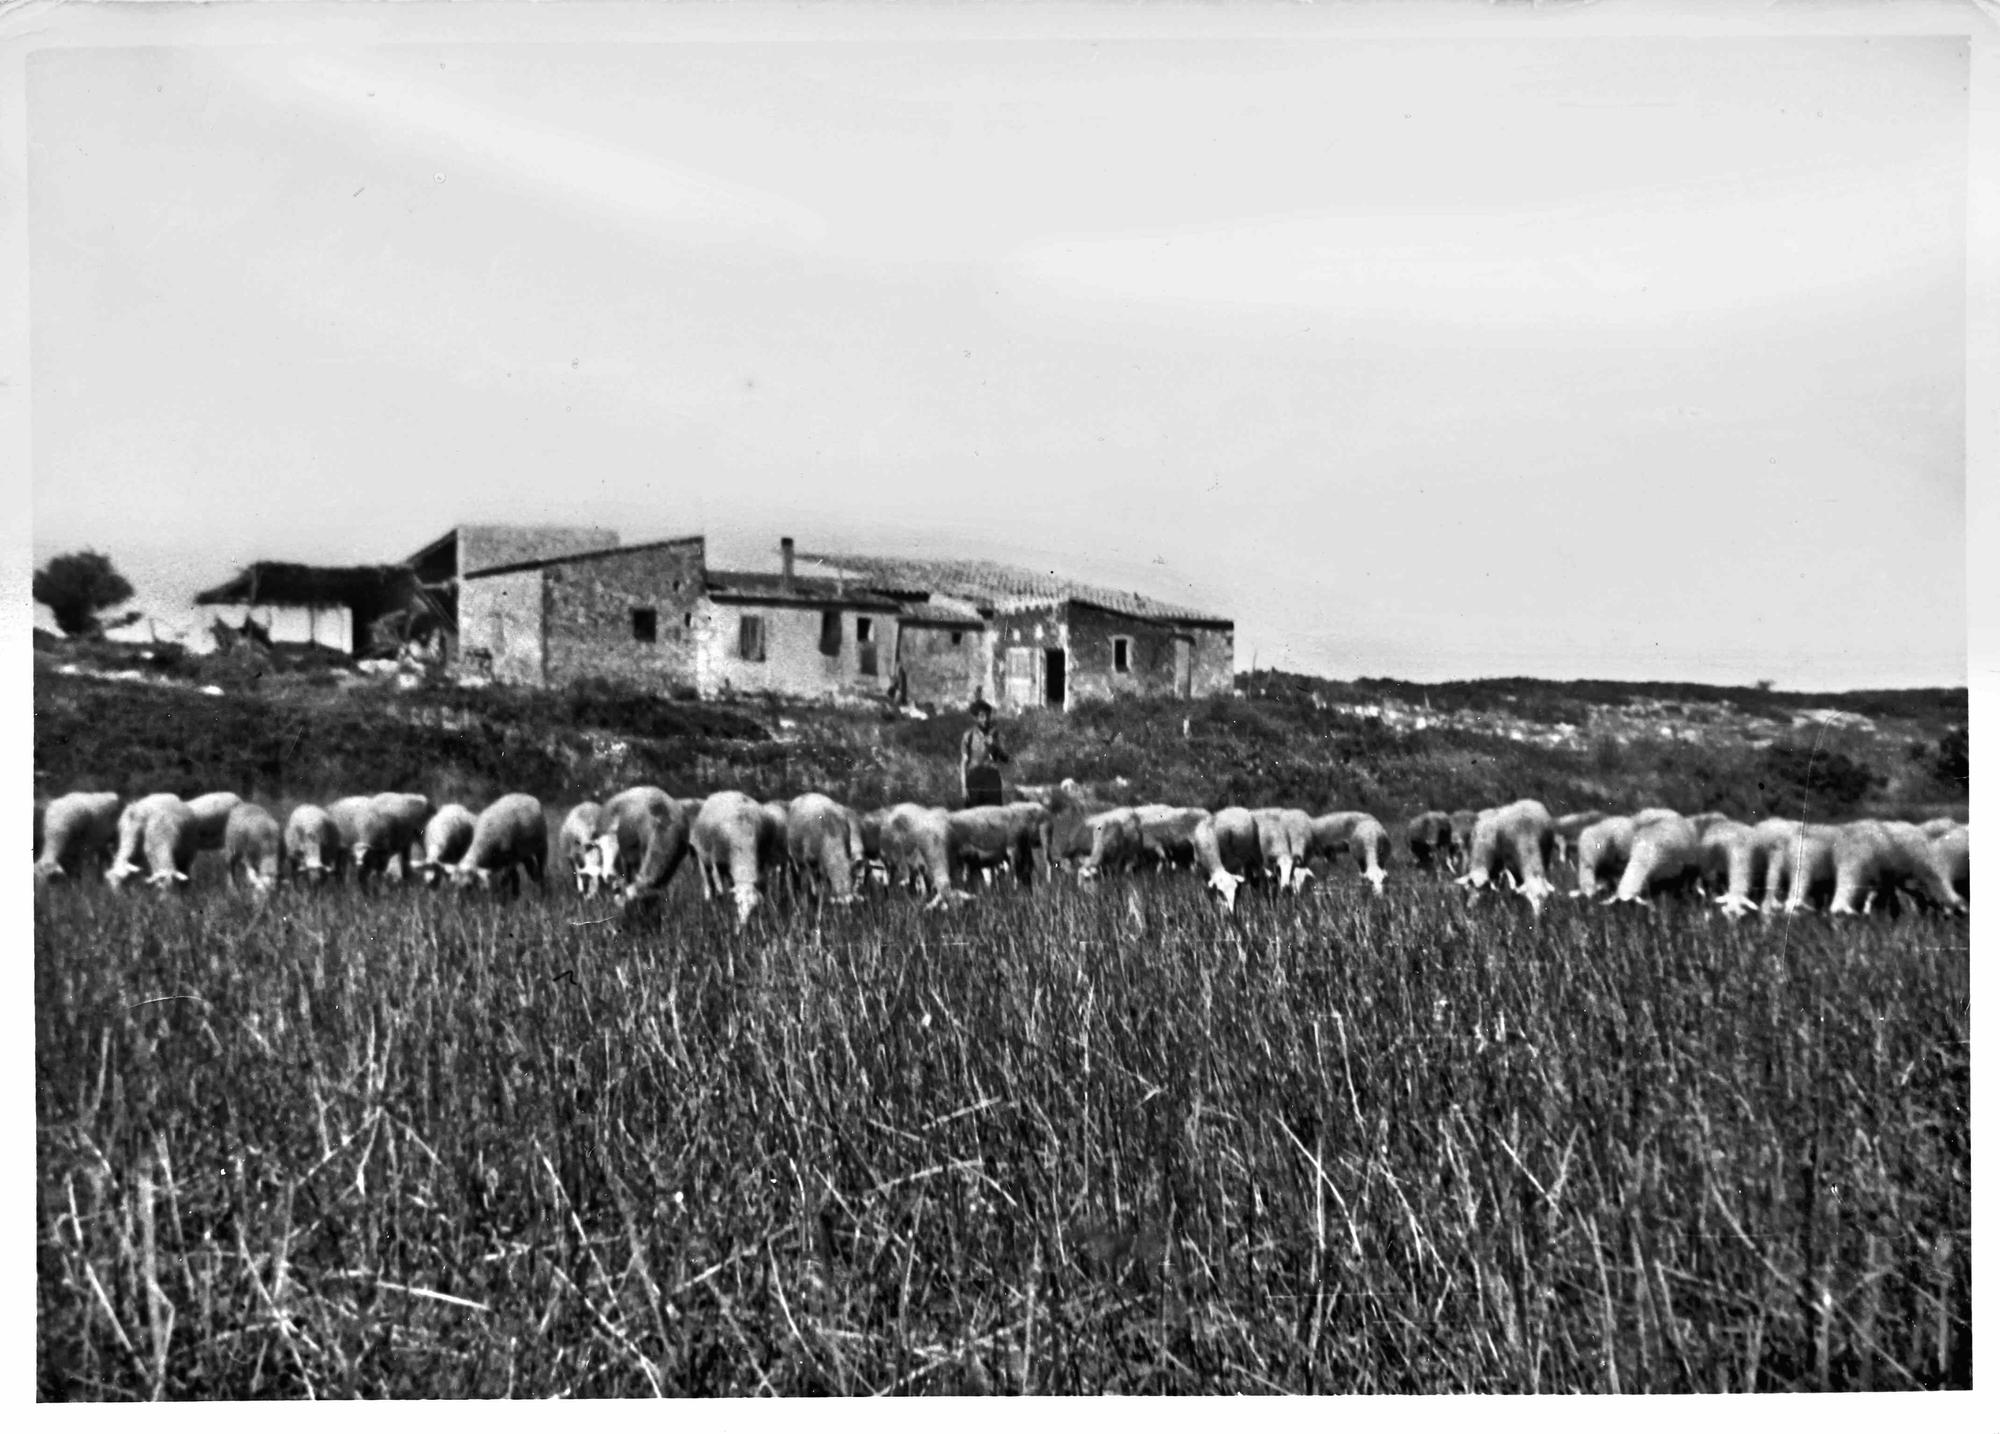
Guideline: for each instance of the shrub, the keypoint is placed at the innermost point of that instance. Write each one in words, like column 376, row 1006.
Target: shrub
column 1950, row 762
column 1802, row 781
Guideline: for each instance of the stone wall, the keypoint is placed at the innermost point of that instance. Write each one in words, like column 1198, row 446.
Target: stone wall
column 502, row 617
column 793, row 664
column 945, row 664
column 1017, row 672
column 1093, row 670
column 1214, row 660
column 590, row 629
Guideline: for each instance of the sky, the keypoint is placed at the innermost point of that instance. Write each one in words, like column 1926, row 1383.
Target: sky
column 1424, row 358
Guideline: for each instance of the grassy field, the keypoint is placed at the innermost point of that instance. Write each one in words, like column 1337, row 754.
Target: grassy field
column 1054, row 1142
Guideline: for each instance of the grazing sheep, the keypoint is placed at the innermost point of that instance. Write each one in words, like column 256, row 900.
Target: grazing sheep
column 1229, row 852
column 871, row 843
column 353, row 818
column 1602, row 850
column 1116, row 841
column 447, row 837
column 1952, row 854
column 1666, row 856
column 1071, row 838
column 1572, row 826
column 916, row 846
column 1285, row 836
column 1429, row 838
column 1735, row 864
column 1358, row 834
column 1516, row 840
column 76, row 830
column 991, row 838
column 1802, row 870
column 1166, row 836
column 1464, row 822
column 393, row 825
column 779, row 874
column 312, row 844
column 162, row 832
column 1884, row 859
column 737, row 838
column 210, row 813
column 253, row 843
column 576, row 847
column 642, row 836
column 511, row 836
column 823, row 845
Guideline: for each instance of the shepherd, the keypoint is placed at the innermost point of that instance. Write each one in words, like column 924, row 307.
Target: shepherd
column 980, row 755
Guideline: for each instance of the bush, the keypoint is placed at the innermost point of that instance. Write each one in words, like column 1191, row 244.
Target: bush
column 1950, row 762
column 1812, row 784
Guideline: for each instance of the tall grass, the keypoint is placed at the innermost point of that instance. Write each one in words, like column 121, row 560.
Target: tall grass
column 1054, row 1142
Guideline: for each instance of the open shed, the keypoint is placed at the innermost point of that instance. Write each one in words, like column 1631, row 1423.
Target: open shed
column 296, row 602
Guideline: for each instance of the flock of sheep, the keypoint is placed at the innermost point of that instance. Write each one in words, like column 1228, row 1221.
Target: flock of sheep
column 633, row 843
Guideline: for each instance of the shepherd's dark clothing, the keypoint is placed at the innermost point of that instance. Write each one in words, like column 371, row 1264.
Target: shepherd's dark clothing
column 979, row 758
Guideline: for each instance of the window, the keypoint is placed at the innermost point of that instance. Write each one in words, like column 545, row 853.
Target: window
column 750, row 637
column 645, row 624
column 957, row 637
column 829, row 632
column 864, row 629
column 1121, row 654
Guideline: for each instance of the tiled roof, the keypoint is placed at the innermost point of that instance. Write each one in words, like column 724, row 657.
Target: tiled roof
column 772, row 587
column 1002, row 586
column 943, row 614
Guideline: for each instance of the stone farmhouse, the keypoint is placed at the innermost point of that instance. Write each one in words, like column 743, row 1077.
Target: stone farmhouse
column 544, row 606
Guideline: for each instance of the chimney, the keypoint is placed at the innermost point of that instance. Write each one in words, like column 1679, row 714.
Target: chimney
column 785, row 559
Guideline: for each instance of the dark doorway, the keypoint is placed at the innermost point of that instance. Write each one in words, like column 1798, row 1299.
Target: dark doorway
column 1054, row 675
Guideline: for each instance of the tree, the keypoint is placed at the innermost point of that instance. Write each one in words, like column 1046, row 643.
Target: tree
column 77, row 588
column 1951, row 763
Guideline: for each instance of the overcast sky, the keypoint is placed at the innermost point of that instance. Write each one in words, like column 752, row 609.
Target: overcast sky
column 1421, row 358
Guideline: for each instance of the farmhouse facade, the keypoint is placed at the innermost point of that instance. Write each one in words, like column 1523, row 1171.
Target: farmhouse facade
column 549, row 606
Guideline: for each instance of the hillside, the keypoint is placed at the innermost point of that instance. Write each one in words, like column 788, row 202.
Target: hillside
column 319, row 729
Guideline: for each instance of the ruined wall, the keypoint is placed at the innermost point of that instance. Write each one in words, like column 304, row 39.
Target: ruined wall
column 1214, row 660
column 1093, row 674
column 492, row 545
column 793, row 664
column 944, row 664
column 589, row 625
column 1017, row 674
column 502, row 618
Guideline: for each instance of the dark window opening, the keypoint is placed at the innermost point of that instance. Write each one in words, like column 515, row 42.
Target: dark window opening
column 957, row 637
column 829, row 632
column 1055, row 675
column 864, row 629
column 866, row 652
column 687, row 619
column 645, row 624
column 1121, row 654
column 750, row 638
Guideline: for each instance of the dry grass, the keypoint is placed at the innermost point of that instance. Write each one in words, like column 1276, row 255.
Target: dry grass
column 1055, row 1142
